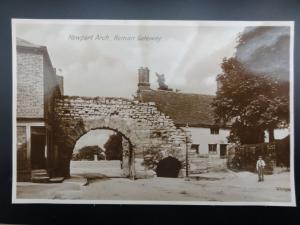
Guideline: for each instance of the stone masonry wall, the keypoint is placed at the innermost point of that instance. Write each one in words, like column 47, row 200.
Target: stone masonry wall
column 30, row 90
column 152, row 134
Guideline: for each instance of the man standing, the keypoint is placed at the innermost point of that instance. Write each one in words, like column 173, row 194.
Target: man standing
column 260, row 165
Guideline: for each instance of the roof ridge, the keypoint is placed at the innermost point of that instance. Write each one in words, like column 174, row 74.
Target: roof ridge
column 174, row 92
column 25, row 43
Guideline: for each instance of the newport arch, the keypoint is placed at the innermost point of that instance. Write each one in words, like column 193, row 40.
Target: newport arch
column 151, row 135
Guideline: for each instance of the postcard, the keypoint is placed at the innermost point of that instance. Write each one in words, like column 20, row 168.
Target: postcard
column 153, row 112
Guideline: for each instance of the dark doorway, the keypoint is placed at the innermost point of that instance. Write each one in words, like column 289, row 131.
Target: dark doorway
column 168, row 167
column 223, row 150
column 38, row 142
column 283, row 152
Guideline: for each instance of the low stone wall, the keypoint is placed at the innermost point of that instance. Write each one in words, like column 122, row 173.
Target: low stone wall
column 205, row 163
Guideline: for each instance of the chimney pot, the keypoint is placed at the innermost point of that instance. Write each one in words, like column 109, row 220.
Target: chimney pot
column 143, row 78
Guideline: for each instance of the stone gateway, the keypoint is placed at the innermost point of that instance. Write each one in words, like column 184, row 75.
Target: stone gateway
column 151, row 134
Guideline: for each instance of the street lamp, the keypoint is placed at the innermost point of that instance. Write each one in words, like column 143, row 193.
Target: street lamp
column 186, row 153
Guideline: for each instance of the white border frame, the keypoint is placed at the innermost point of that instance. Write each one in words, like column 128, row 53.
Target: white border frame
column 14, row 22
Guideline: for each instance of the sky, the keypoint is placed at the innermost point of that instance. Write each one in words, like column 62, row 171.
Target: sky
column 102, row 60
column 94, row 137
column 188, row 56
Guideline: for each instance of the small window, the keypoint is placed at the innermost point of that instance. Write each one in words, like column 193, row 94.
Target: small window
column 212, row 148
column 214, row 130
column 195, row 147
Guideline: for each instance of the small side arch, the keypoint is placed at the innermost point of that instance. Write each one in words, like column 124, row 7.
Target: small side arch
column 168, row 167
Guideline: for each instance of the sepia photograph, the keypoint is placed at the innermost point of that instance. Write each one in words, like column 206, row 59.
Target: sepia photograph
column 153, row 112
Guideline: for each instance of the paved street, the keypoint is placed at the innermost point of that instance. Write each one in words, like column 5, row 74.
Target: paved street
column 221, row 186
column 111, row 168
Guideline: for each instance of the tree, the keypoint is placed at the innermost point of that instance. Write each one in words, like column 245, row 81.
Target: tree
column 114, row 147
column 250, row 102
column 88, row 153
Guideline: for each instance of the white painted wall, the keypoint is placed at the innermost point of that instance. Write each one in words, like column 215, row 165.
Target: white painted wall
column 278, row 134
column 203, row 137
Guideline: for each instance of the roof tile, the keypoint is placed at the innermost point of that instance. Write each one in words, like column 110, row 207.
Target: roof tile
column 184, row 108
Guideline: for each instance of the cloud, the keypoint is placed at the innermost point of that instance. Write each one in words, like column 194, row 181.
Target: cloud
column 266, row 50
column 188, row 56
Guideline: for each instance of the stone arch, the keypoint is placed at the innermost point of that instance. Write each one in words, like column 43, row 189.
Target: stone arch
column 81, row 127
column 115, row 123
column 152, row 134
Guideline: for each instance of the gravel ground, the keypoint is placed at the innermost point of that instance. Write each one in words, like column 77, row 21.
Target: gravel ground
column 219, row 186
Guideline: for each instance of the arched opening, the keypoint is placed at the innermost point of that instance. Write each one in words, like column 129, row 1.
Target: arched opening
column 168, row 167
column 101, row 152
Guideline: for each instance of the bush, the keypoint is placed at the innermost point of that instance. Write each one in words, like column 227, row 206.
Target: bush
column 114, row 147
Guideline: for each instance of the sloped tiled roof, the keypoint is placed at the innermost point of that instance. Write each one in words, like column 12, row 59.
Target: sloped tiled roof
column 23, row 43
column 184, row 108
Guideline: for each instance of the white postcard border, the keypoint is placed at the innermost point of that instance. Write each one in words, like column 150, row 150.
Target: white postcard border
column 191, row 23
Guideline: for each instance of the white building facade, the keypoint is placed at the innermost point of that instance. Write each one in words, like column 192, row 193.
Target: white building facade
column 210, row 142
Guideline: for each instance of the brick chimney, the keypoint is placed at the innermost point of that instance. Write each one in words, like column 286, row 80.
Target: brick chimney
column 143, row 74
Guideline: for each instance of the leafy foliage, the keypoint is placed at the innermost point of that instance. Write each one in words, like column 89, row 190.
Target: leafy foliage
column 88, row 153
column 114, row 147
column 251, row 102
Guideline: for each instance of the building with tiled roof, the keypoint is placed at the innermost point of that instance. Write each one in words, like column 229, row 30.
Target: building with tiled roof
column 194, row 112
column 37, row 87
column 188, row 109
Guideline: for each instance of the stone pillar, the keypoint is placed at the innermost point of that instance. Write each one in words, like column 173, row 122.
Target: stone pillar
column 125, row 158
column 132, row 165
column 128, row 160
column 63, row 161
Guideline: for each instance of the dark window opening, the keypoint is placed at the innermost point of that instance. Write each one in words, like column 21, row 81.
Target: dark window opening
column 195, row 147
column 214, row 130
column 38, row 143
column 212, row 148
column 114, row 113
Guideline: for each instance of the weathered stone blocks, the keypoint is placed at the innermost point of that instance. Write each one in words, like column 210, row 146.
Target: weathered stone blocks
column 150, row 132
